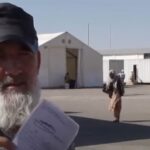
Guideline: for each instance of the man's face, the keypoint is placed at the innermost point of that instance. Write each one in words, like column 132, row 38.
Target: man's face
column 19, row 67
column 112, row 75
column 19, row 90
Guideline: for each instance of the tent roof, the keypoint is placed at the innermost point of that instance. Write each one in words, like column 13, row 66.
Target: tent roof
column 43, row 38
column 108, row 52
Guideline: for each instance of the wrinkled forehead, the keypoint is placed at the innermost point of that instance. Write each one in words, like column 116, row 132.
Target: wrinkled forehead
column 11, row 46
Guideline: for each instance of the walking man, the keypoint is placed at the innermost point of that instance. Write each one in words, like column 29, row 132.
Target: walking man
column 115, row 89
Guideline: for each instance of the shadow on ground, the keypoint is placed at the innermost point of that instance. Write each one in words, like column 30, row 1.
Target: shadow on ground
column 93, row 131
column 135, row 94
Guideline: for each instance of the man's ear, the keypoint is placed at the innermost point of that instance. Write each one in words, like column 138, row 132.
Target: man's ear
column 38, row 60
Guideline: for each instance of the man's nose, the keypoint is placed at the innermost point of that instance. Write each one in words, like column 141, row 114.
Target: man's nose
column 12, row 67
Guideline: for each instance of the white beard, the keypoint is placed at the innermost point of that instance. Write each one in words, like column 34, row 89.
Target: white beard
column 16, row 106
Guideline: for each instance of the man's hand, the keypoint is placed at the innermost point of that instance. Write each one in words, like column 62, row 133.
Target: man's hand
column 6, row 143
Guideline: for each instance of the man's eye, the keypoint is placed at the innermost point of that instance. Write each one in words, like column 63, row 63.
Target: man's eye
column 25, row 53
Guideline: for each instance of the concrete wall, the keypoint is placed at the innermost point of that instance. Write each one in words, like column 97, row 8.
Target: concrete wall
column 143, row 69
column 123, row 57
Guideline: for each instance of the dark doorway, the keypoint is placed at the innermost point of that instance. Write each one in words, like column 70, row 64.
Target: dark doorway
column 72, row 63
column 135, row 72
column 116, row 65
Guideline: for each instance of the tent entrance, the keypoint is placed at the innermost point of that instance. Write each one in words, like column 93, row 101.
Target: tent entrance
column 71, row 65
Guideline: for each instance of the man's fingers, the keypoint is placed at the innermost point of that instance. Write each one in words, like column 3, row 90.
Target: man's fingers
column 6, row 143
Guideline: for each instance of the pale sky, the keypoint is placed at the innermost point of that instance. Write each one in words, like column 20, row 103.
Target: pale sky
column 112, row 23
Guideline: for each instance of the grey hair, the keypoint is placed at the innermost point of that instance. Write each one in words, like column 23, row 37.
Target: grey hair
column 16, row 106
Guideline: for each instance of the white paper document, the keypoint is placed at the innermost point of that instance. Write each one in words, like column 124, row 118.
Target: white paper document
column 48, row 128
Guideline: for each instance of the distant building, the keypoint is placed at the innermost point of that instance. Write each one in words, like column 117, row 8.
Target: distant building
column 135, row 61
column 62, row 53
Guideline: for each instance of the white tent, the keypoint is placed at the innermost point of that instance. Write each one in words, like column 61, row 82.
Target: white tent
column 62, row 53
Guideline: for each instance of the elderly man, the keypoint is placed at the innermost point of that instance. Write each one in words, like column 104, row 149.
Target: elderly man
column 19, row 67
column 115, row 89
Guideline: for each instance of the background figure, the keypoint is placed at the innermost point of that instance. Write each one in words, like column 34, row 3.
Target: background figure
column 19, row 68
column 132, row 78
column 67, row 80
column 115, row 89
column 122, row 76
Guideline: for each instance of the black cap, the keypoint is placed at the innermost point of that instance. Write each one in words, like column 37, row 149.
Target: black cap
column 17, row 25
